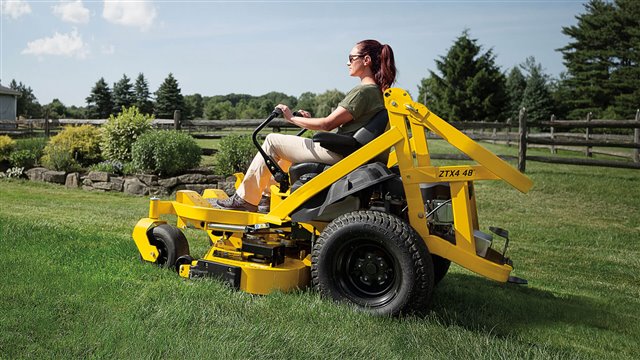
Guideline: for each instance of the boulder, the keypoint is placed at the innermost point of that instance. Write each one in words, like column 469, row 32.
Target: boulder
column 98, row 176
column 159, row 191
column 73, row 180
column 134, row 186
column 102, row 185
column 149, row 180
column 35, row 174
column 168, row 182
column 117, row 183
column 56, row 177
column 192, row 179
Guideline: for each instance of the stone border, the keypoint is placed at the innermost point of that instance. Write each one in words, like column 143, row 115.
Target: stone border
column 133, row 185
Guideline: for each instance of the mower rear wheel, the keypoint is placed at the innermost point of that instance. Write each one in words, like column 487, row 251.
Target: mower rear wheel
column 171, row 244
column 374, row 260
column 440, row 268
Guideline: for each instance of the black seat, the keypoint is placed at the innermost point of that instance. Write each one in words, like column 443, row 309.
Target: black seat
column 342, row 144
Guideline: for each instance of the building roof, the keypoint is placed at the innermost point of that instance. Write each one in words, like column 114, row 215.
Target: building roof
column 8, row 91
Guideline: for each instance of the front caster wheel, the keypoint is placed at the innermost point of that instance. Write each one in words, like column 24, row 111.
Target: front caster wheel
column 374, row 260
column 171, row 244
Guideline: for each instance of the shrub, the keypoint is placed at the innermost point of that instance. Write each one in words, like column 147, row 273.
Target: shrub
column 7, row 145
column 23, row 158
column 120, row 132
column 235, row 154
column 165, row 152
column 28, row 152
column 73, row 148
column 113, row 167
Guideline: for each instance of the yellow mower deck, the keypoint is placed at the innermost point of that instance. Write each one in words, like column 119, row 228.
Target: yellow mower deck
column 232, row 259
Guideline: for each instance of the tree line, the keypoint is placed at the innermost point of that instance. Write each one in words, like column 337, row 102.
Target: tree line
column 602, row 77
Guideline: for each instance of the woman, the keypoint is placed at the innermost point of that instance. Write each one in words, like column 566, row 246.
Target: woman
column 369, row 60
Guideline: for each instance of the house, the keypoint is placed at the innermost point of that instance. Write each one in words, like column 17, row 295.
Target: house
column 8, row 107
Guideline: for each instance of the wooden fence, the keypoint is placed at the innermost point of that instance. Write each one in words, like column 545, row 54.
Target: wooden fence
column 576, row 135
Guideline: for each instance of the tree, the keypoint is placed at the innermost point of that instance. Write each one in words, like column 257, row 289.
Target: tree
column 219, row 110
column 123, row 94
column 100, row 102
column 141, row 91
column 603, row 64
column 169, row 98
column 516, row 84
column 195, row 106
column 327, row 102
column 56, row 109
column 307, row 101
column 27, row 104
column 470, row 86
column 537, row 97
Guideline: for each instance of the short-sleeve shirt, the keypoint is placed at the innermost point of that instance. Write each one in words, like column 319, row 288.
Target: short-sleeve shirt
column 362, row 102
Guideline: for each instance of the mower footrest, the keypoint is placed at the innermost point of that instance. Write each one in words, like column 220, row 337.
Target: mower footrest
column 228, row 273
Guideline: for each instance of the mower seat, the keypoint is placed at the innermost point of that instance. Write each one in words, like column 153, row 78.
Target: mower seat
column 342, row 144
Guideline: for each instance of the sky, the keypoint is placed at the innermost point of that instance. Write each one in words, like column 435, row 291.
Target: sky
column 62, row 48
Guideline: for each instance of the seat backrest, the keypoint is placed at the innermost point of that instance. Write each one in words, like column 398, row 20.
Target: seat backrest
column 374, row 128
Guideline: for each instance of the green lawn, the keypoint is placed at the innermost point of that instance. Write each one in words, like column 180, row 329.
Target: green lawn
column 72, row 286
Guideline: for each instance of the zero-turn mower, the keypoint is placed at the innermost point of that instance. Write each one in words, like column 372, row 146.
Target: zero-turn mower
column 378, row 229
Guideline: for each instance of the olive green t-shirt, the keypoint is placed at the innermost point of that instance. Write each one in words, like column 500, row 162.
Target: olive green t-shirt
column 362, row 102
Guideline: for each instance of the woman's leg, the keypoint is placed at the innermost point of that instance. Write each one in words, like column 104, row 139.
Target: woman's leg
column 286, row 150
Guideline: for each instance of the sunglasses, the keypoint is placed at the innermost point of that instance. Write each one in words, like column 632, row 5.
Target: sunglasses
column 353, row 57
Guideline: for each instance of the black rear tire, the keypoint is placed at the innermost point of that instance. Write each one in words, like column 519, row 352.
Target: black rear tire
column 440, row 268
column 375, row 261
column 171, row 244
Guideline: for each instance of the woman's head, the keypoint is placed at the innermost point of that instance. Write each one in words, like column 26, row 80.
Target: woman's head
column 380, row 58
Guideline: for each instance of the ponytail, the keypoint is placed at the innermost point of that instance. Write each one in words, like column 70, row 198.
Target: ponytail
column 383, row 64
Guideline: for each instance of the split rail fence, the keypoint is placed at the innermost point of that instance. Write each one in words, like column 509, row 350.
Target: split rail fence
column 572, row 135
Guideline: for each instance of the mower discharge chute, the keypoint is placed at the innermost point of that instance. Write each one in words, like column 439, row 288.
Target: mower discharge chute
column 378, row 229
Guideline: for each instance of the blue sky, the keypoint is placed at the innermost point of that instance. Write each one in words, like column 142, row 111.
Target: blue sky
column 61, row 48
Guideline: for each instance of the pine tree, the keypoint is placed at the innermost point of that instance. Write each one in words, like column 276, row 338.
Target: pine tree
column 141, row 91
column 100, row 102
column 470, row 87
column 516, row 84
column 626, row 76
column 536, row 98
column 603, row 61
column 123, row 94
column 168, row 98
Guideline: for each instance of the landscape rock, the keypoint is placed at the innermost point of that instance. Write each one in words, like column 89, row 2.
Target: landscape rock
column 73, row 180
column 98, row 176
column 149, row 180
column 103, row 185
column 168, row 182
column 57, row 177
column 117, row 183
column 159, row 191
column 192, row 179
column 134, row 186
column 35, row 174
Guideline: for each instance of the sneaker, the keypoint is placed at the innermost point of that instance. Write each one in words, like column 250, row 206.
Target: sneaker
column 265, row 204
column 235, row 203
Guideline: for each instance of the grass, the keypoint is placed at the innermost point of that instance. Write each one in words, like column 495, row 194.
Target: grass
column 72, row 285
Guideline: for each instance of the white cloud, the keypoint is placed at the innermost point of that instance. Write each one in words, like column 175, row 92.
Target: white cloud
column 137, row 14
column 70, row 45
column 72, row 11
column 15, row 8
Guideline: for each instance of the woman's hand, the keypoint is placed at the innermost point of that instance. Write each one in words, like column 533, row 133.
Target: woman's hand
column 287, row 114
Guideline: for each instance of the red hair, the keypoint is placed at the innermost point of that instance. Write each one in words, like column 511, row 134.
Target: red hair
column 383, row 64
